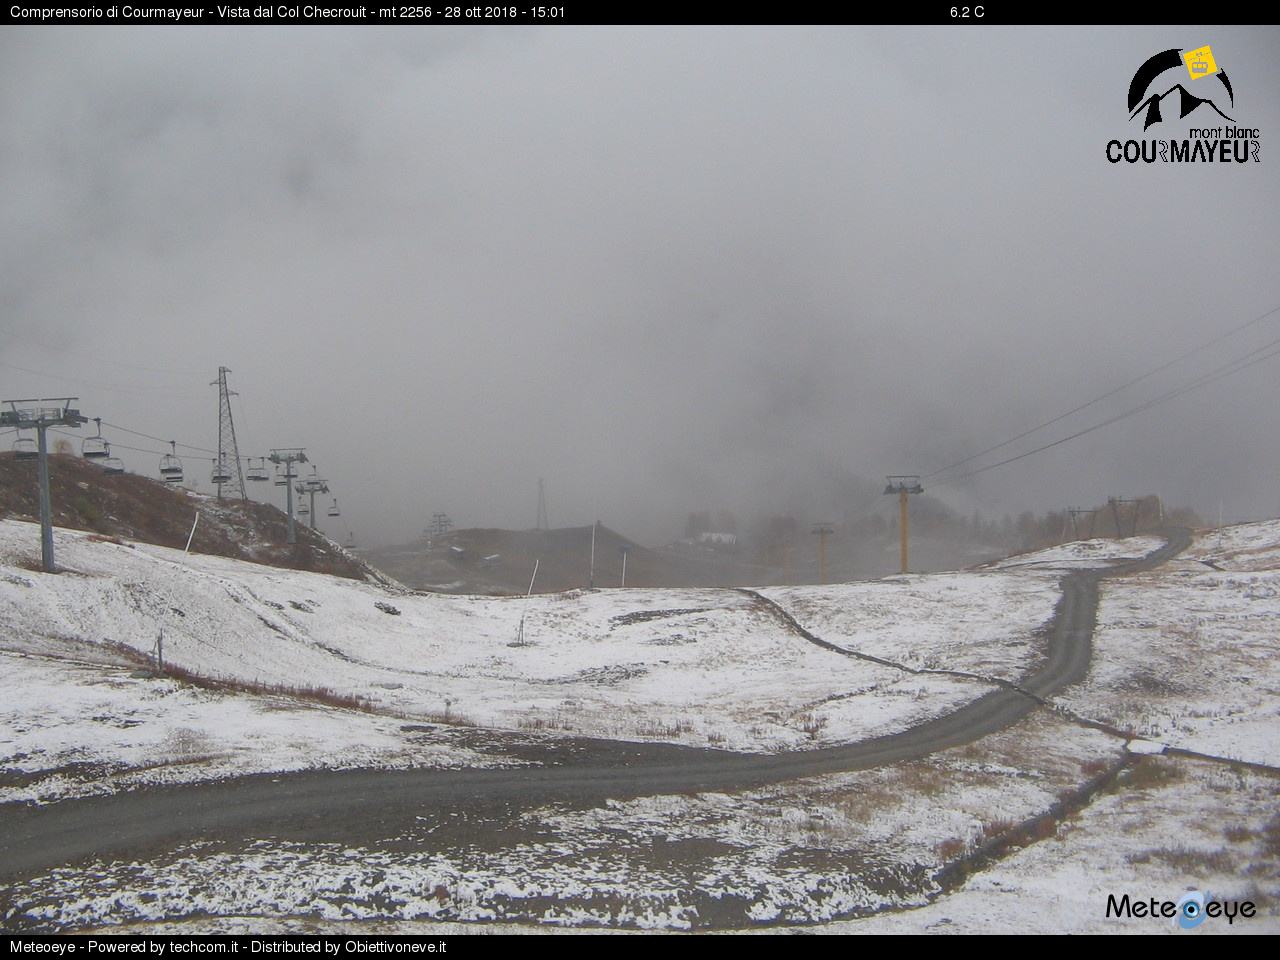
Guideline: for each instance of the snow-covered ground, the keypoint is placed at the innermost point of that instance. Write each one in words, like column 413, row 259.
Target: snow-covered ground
column 1080, row 553
column 705, row 667
column 1188, row 655
column 982, row 623
column 71, row 728
column 1185, row 656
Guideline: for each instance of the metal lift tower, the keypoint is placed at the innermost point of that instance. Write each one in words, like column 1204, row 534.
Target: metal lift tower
column 312, row 485
column 287, row 458
column 228, row 471
column 40, row 415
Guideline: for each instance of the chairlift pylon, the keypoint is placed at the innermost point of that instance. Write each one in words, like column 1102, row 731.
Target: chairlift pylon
column 95, row 447
column 171, row 465
column 313, row 483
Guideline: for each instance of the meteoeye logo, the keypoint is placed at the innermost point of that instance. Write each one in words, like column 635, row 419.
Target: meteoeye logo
column 1187, row 913
column 1193, row 85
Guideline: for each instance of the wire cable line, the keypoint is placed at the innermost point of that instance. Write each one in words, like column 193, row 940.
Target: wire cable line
column 1226, row 370
column 1110, row 393
column 137, row 433
column 98, row 359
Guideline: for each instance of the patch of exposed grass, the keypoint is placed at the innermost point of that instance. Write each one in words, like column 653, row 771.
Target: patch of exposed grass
column 1147, row 773
column 668, row 730
column 548, row 721
column 1091, row 768
column 448, row 717
column 997, row 828
column 1194, row 862
column 318, row 694
column 812, row 724
column 921, row 777
column 1271, row 838
column 869, row 801
column 1237, row 833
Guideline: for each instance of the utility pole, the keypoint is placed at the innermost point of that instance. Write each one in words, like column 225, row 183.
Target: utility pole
column 228, row 471
column 903, row 487
column 1076, row 512
column 624, row 549
column 524, row 607
column 289, row 457
column 40, row 415
column 1115, row 512
column 591, row 580
column 822, row 530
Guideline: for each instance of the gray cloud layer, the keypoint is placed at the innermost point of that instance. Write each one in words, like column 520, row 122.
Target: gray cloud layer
column 665, row 269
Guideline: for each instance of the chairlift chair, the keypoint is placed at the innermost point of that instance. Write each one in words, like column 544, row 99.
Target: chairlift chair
column 112, row 465
column 221, row 473
column 24, row 448
column 95, row 447
column 303, row 510
column 257, row 469
column 282, row 476
column 171, row 465
column 333, row 510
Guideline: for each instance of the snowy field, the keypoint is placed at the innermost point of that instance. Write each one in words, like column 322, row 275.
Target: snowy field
column 703, row 667
column 1187, row 655
column 979, row 623
column 1184, row 656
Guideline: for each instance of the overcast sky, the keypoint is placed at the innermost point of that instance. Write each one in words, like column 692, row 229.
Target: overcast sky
column 666, row 269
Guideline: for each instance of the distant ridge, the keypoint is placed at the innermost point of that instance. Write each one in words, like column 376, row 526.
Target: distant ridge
column 500, row 562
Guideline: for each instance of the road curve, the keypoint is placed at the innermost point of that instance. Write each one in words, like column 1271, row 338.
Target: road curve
column 352, row 805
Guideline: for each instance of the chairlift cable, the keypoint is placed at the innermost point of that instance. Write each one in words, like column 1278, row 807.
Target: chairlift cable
column 1235, row 366
column 99, row 359
column 138, row 433
column 1109, row 393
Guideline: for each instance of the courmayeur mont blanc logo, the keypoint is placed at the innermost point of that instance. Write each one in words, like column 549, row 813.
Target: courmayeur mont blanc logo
column 1186, row 94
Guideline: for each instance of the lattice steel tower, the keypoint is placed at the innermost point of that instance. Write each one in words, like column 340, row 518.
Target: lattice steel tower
column 228, row 471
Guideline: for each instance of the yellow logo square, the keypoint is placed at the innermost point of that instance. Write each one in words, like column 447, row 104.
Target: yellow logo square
column 1200, row 62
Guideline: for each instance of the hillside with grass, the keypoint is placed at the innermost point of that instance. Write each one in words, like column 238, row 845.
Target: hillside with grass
column 132, row 507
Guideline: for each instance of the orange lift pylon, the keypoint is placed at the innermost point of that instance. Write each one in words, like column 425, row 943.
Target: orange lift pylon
column 903, row 487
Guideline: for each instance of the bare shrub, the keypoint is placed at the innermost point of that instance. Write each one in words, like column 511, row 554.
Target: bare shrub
column 1149, row 772
column 997, row 828
column 951, row 849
